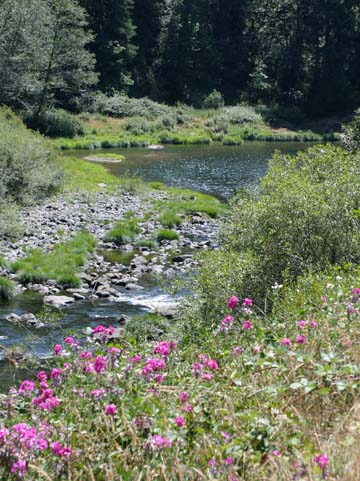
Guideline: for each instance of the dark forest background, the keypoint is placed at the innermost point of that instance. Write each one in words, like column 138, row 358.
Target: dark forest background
column 303, row 53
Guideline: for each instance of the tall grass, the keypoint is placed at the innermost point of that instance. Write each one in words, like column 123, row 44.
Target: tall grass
column 7, row 288
column 61, row 264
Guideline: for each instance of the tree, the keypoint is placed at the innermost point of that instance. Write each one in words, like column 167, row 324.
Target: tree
column 43, row 56
column 111, row 22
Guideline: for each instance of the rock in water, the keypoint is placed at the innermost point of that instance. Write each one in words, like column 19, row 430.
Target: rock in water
column 58, row 301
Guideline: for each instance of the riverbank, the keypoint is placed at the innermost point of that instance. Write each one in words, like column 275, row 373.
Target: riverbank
column 187, row 126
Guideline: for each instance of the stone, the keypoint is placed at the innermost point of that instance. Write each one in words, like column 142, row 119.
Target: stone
column 59, row 301
column 132, row 287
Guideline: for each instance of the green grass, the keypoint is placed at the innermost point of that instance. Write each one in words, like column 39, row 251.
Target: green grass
column 165, row 234
column 150, row 244
column 170, row 219
column 187, row 126
column 3, row 262
column 61, row 264
column 124, row 232
column 85, row 176
column 7, row 288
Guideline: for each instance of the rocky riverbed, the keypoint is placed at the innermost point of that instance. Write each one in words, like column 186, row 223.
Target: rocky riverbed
column 110, row 270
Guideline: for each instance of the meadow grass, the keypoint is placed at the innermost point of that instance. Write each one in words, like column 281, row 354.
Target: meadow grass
column 258, row 398
column 7, row 288
column 170, row 219
column 182, row 126
column 61, row 264
column 124, row 232
column 165, row 234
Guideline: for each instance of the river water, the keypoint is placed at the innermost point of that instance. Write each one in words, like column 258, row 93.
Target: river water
column 215, row 169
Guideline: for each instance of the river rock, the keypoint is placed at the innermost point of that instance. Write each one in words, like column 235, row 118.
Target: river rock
column 155, row 147
column 27, row 318
column 59, row 301
column 123, row 319
column 132, row 287
column 169, row 312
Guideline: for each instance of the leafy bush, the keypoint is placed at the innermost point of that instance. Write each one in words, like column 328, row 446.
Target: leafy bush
column 55, row 123
column 165, row 234
column 28, row 169
column 248, row 402
column 304, row 215
column 124, row 232
column 351, row 134
column 138, row 126
column 10, row 225
column 61, row 264
column 120, row 105
column 7, row 288
column 214, row 100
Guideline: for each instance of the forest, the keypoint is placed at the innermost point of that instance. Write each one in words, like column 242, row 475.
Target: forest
column 301, row 54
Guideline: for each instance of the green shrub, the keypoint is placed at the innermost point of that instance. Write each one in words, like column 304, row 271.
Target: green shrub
column 149, row 327
column 351, row 134
column 214, row 100
column 10, row 224
column 303, row 216
column 120, row 105
column 165, row 234
column 28, row 169
column 124, row 232
column 55, row 123
column 7, row 288
column 61, row 264
column 170, row 219
column 138, row 126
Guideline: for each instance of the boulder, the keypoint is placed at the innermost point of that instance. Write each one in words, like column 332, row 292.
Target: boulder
column 59, row 301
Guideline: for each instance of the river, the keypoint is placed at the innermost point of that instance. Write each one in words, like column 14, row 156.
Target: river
column 215, row 169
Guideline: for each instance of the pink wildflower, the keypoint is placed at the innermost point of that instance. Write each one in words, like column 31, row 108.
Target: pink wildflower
column 322, row 460
column 58, row 349
column 26, row 386
column 159, row 378
column 229, row 460
column 110, row 410
column 3, row 434
column 247, row 325
column 276, row 453
column 97, row 393
column 136, row 358
column 301, row 324
column 212, row 463
column 212, row 364
column 202, row 357
column 19, row 468
column 286, row 342
column 55, row 373
column 183, row 397
column 188, row 407
column 226, row 436
column 247, row 302
column 69, row 340
column 41, row 376
column 86, row 355
column 313, row 324
column 226, row 322
column 207, row 376
column 100, row 364
column 237, row 351
column 233, row 301
column 256, row 349
column 300, row 339
column 161, row 442
column 179, row 421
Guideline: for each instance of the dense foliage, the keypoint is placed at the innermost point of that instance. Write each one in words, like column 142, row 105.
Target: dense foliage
column 304, row 215
column 303, row 54
column 259, row 399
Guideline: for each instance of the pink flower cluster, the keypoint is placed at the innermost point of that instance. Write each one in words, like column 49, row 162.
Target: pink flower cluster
column 198, row 367
column 59, row 450
column 322, row 460
column 21, row 442
column 226, row 323
column 152, row 365
column 159, row 442
column 46, row 400
column 26, row 387
column 164, row 348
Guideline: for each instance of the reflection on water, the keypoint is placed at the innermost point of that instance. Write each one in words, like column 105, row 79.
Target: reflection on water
column 214, row 169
